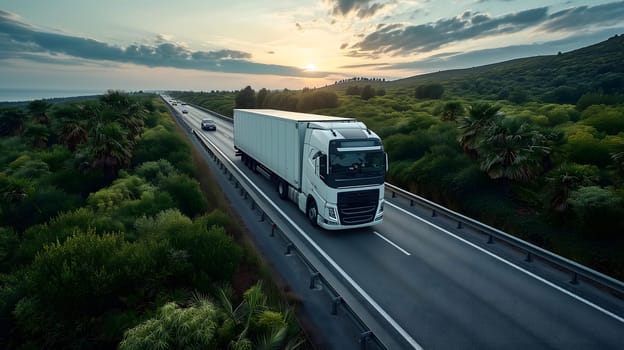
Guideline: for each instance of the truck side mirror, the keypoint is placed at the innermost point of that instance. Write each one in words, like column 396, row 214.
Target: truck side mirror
column 386, row 162
column 323, row 166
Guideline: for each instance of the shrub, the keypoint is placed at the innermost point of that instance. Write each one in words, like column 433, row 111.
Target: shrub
column 159, row 143
column 155, row 171
column 605, row 119
column 70, row 285
column 600, row 211
column 186, row 194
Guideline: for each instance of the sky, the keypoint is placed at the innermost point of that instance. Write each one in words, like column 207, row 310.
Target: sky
column 206, row 45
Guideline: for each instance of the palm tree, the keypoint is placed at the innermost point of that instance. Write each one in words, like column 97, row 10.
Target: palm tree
column 113, row 126
column 512, row 150
column 250, row 320
column 480, row 117
column 71, row 126
column 567, row 178
column 118, row 106
column 109, row 148
column 38, row 110
column 452, row 110
column 38, row 134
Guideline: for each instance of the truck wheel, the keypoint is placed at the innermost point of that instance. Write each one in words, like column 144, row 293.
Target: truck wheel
column 254, row 166
column 312, row 212
column 282, row 189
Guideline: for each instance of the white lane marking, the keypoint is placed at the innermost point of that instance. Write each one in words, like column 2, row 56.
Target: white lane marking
column 546, row 282
column 392, row 243
column 331, row 261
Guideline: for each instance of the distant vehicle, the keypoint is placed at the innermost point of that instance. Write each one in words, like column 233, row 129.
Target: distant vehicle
column 332, row 168
column 174, row 104
column 208, row 124
column 184, row 111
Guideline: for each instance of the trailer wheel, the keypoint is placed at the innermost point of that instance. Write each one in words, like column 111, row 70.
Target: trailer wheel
column 312, row 212
column 254, row 166
column 282, row 189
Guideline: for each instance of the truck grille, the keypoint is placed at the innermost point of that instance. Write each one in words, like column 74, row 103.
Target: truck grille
column 357, row 207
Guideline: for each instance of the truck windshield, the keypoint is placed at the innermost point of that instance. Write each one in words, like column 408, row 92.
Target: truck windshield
column 356, row 168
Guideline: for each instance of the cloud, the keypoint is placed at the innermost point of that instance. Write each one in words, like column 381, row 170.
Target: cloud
column 398, row 39
column 21, row 40
column 361, row 8
column 366, row 65
column 456, row 60
column 577, row 17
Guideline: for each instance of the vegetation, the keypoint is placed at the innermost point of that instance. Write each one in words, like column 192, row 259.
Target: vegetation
column 533, row 146
column 106, row 239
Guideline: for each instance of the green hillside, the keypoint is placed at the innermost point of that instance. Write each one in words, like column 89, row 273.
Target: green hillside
column 561, row 78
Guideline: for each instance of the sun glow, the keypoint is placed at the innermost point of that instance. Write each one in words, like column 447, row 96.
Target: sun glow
column 310, row 67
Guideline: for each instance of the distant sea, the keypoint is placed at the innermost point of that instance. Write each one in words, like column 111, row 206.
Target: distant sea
column 17, row 95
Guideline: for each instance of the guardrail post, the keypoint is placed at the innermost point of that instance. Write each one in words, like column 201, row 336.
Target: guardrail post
column 574, row 279
column 364, row 337
column 490, row 239
column 433, row 213
column 460, row 225
column 335, row 302
column 273, row 227
column 393, row 194
column 411, row 202
column 262, row 216
column 289, row 249
column 529, row 257
column 313, row 278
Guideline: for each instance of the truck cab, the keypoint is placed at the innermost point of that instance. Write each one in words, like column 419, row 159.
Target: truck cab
column 343, row 176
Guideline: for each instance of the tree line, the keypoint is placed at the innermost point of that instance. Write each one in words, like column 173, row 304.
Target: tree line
column 296, row 101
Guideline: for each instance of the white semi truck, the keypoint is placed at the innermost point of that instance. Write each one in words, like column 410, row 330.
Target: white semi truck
column 332, row 168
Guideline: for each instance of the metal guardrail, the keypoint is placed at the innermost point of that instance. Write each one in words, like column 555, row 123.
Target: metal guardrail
column 366, row 336
column 577, row 271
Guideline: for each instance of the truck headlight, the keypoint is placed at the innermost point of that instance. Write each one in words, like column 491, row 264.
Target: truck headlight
column 332, row 213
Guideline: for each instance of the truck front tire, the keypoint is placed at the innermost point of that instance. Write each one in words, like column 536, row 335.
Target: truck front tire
column 312, row 212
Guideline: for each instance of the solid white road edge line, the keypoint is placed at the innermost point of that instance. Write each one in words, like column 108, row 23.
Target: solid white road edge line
column 392, row 243
column 331, row 261
column 548, row 283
